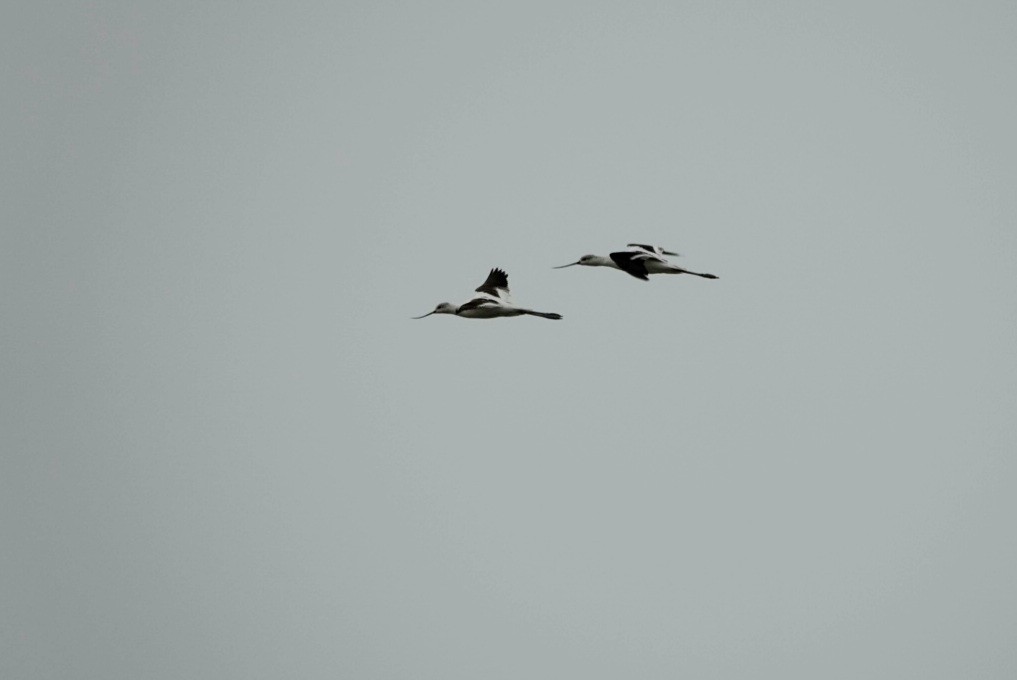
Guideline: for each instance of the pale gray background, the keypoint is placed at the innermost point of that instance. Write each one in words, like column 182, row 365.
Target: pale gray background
column 228, row 453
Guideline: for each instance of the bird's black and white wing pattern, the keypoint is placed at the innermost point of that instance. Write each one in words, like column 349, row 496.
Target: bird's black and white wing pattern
column 477, row 303
column 655, row 250
column 496, row 285
column 634, row 262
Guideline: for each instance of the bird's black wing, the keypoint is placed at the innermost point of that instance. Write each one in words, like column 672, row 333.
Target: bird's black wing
column 496, row 281
column 656, row 250
column 474, row 303
column 631, row 263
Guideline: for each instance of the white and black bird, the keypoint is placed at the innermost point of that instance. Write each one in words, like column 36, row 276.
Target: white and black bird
column 637, row 260
column 493, row 301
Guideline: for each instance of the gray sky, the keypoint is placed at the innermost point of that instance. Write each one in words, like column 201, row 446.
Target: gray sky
column 228, row 453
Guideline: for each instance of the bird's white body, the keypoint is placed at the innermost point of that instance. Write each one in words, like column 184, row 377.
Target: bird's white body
column 637, row 260
column 653, row 264
column 492, row 301
column 487, row 307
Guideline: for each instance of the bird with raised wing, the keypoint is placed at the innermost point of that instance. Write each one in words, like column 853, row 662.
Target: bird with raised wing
column 637, row 260
column 493, row 301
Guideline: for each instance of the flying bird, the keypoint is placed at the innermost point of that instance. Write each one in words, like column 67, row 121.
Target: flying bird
column 493, row 300
column 637, row 260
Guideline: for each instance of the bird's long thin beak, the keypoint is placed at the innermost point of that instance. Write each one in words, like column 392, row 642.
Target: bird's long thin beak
column 421, row 317
column 565, row 265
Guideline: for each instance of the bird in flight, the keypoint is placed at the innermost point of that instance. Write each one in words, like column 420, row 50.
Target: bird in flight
column 637, row 260
column 492, row 301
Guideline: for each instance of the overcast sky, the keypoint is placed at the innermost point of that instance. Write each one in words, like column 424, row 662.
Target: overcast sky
column 227, row 452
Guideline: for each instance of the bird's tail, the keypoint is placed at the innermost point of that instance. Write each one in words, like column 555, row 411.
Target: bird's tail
column 545, row 315
column 678, row 270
